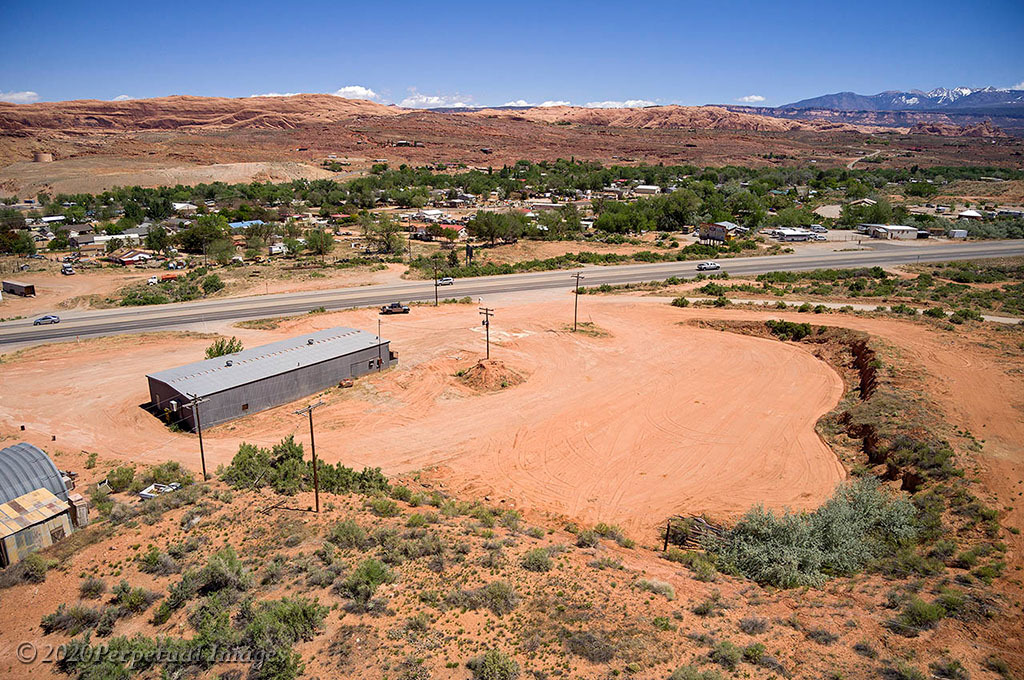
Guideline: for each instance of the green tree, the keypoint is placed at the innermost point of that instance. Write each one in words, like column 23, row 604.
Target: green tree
column 320, row 241
column 23, row 244
column 223, row 346
column 158, row 239
column 207, row 229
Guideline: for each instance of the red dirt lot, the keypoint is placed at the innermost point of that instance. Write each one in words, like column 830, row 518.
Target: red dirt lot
column 654, row 418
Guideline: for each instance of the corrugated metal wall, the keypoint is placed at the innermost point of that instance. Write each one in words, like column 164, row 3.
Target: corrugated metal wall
column 273, row 391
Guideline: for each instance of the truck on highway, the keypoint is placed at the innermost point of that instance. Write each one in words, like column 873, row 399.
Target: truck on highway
column 395, row 308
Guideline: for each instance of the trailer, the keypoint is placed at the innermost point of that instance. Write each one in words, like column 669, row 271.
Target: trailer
column 19, row 288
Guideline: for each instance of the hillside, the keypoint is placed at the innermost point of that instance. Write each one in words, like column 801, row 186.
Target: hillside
column 957, row 98
column 181, row 112
column 670, row 117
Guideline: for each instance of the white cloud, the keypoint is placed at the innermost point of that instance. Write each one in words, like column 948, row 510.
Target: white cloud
column 550, row 102
column 348, row 92
column 628, row 104
column 418, row 100
column 1018, row 86
column 123, row 98
column 356, row 92
column 750, row 99
column 26, row 97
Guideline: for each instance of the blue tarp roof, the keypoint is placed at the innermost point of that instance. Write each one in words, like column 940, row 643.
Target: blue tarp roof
column 243, row 225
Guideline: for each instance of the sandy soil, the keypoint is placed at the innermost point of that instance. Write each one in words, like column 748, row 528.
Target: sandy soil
column 56, row 293
column 654, row 419
column 96, row 174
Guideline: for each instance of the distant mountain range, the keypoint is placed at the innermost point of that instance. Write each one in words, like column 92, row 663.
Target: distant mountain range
column 940, row 99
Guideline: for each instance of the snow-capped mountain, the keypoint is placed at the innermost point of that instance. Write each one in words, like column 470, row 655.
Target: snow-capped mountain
column 941, row 98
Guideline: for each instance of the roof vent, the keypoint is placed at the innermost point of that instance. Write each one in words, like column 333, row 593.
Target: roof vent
column 310, row 341
column 228, row 362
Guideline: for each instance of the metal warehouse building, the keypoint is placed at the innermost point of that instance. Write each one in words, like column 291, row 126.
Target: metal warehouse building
column 264, row 377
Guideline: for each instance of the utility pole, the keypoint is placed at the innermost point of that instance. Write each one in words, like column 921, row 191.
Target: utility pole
column 487, row 314
column 312, row 446
column 576, row 299
column 379, row 343
column 196, row 401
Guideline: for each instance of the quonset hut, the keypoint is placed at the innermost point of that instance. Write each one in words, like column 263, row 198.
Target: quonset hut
column 256, row 379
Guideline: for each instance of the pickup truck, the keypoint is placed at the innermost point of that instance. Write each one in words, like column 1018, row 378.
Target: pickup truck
column 395, row 308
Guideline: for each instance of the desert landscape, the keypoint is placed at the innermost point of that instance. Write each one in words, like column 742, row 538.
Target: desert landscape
column 521, row 342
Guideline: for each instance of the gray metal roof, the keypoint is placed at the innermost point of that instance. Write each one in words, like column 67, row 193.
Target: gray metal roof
column 215, row 375
column 25, row 468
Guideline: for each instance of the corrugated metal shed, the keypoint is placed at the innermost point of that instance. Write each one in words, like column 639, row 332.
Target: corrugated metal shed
column 25, row 468
column 216, row 375
column 28, row 510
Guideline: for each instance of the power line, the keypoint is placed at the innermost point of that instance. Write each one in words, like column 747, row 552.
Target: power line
column 312, row 445
column 487, row 313
column 576, row 299
column 196, row 401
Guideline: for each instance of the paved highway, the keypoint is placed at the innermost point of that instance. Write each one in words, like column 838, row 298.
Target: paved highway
column 158, row 317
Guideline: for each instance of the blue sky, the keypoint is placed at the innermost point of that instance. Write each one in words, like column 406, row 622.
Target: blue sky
column 480, row 53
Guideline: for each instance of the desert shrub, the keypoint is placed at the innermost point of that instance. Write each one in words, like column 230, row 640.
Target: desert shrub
column 821, row 636
column 92, row 588
column 494, row 665
column 511, row 519
column 997, row 665
column 904, row 671
column 362, row 584
column 133, row 600
column 605, row 562
column 347, row 534
column 726, row 654
column 789, row 330
column 587, row 539
column 401, row 493
column 120, row 478
column 155, row 562
column 935, row 312
column 592, row 647
column 709, row 605
column 170, row 472
column 753, row 625
column 680, row 302
column 663, row 623
column 949, row 668
column 535, row 532
column 657, row 587
column 537, row 560
column 754, row 652
column 917, row 615
column 865, row 649
column 34, row 567
column 70, row 620
column 858, row 524
column 693, row 673
column 283, row 469
column 498, row 596
column 384, row 507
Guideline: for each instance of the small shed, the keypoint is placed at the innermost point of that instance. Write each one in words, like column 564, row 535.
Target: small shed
column 19, row 288
column 31, row 522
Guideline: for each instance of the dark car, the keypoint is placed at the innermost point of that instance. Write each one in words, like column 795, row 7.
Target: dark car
column 49, row 318
column 395, row 308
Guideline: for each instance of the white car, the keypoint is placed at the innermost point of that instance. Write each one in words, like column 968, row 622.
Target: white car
column 819, row 237
column 708, row 266
column 446, row 281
